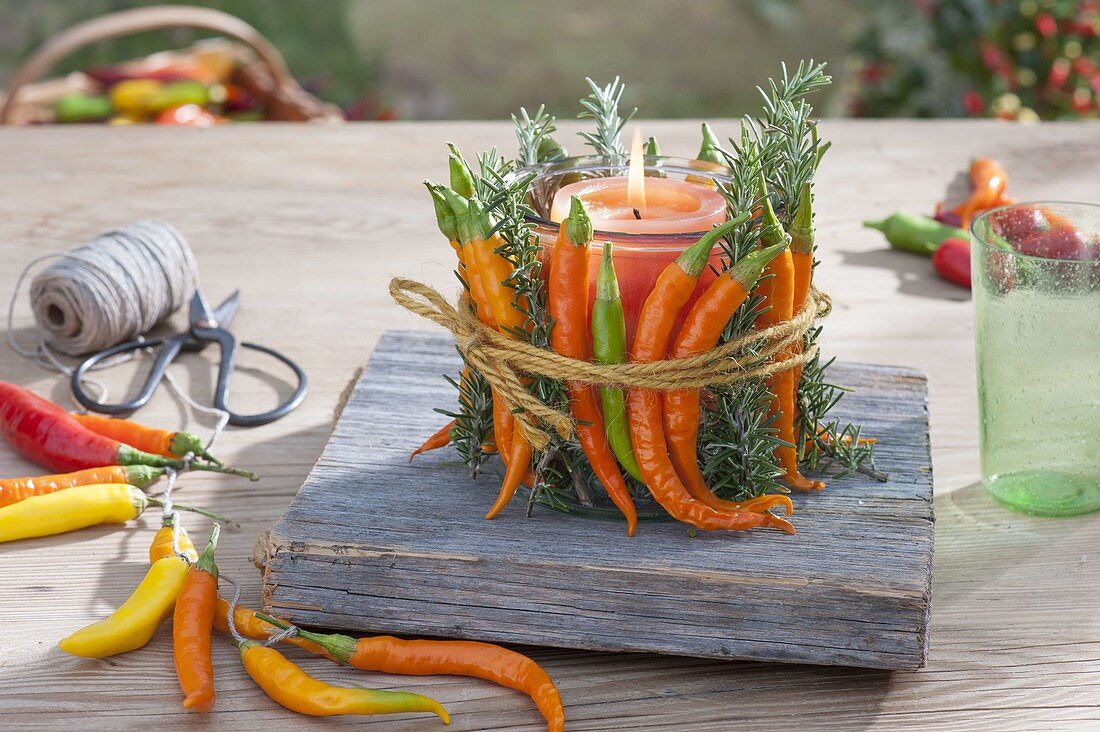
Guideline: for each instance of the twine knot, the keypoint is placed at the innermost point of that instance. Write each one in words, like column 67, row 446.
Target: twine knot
column 505, row 361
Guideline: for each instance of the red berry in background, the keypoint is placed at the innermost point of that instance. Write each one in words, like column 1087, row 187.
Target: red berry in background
column 973, row 103
column 1059, row 72
column 872, row 73
column 952, row 261
column 1046, row 25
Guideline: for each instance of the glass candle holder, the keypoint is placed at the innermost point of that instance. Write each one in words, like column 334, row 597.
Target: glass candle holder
column 639, row 258
column 1036, row 284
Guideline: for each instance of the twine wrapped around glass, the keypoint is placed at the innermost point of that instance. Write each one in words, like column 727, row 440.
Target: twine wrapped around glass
column 640, row 258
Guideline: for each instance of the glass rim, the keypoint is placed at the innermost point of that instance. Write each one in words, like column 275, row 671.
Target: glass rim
column 975, row 236
column 666, row 163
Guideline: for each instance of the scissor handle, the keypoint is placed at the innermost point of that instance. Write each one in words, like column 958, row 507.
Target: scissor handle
column 228, row 344
column 169, row 349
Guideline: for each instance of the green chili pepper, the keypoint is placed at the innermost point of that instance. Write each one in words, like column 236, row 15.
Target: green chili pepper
column 180, row 92
column 711, row 149
column 914, row 233
column 652, row 149
column 609, row 346
column 80, row 107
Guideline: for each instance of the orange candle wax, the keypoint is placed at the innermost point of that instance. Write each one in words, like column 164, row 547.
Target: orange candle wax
column 666, row 207
column 649, row 221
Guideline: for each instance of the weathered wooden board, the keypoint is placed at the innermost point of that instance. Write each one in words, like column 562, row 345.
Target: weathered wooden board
column 372, row 543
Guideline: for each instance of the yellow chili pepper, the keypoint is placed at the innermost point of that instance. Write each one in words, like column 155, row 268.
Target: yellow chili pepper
column 133, row 624
column 78, row 507
column 71, row 509
column 296, row 690
column 135, row 97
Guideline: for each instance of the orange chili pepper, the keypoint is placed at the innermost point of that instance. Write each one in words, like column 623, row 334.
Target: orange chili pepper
column 802, row 257
column 493, row 270
column 700, row 332
column 162, row 543
column 191, row 625
column 988, row 181
column 486, row 271
column 14, row 490
column 568, row 304
column 778, row 294
column 386, row 654
column 147, row 439
column 442, row 438
column 644, row 408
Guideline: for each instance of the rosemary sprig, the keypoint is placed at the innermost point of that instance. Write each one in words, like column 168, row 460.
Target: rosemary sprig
column 533, row 134
column 737, row 443
column 602, row 105
column 825, row 444
column 473, row 420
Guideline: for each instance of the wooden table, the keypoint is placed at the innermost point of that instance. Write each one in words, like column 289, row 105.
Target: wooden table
column 311, row 222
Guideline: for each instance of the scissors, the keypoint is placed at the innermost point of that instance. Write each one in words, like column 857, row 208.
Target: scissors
column 207, row 326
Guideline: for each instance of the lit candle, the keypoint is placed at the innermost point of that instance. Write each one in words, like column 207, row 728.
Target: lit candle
column 649, row 221
column 634, row 204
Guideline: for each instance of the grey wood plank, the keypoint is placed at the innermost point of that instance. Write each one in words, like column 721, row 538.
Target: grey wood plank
column 372, row 543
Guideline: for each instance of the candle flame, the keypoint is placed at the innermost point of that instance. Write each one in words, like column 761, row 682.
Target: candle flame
column 635, row 181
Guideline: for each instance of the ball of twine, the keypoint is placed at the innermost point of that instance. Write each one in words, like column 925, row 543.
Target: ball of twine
column 114, row 288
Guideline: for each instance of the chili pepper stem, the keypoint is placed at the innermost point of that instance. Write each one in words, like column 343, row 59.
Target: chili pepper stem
column 802, row 227
column 444, row 216
column 192, row 509
column 206, row 561
column 129, row 456
column 185, row 442
column 694, row 259
column 748, row 269
column 342, row 647
column 225, row 471
column 461, row 178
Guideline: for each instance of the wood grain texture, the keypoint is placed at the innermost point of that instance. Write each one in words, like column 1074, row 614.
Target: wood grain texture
column 373, row 543
column 311, row 222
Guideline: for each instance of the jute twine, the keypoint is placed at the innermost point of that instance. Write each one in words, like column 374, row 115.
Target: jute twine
column 504, row 361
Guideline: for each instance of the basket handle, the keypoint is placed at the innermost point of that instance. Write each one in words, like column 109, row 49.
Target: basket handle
column 138, row 20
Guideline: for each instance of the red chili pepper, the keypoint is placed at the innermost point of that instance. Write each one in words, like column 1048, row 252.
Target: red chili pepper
column 1062, row 243
column 46, row 434
column 952, row 261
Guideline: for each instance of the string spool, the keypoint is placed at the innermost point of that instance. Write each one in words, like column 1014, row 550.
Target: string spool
column 114, row 288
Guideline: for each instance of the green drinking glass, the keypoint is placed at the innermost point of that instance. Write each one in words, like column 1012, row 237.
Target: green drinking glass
column 1036, row 283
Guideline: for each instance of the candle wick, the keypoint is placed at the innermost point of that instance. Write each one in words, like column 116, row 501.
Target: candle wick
column 637, row 214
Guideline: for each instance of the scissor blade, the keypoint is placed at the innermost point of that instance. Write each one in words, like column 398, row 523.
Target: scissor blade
column 200, row 311
column 201, row 314
column 228, row 309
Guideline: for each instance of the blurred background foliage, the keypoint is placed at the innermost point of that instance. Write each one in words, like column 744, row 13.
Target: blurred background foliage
column 475, row 59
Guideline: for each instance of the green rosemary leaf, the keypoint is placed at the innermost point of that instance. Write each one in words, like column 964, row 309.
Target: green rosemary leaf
column 473, row 420
column 827, row 444
column 533, row 134
column 737, row 443
column 602, row 105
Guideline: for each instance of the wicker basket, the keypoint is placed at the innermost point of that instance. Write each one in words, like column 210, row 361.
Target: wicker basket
column 258, row 66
